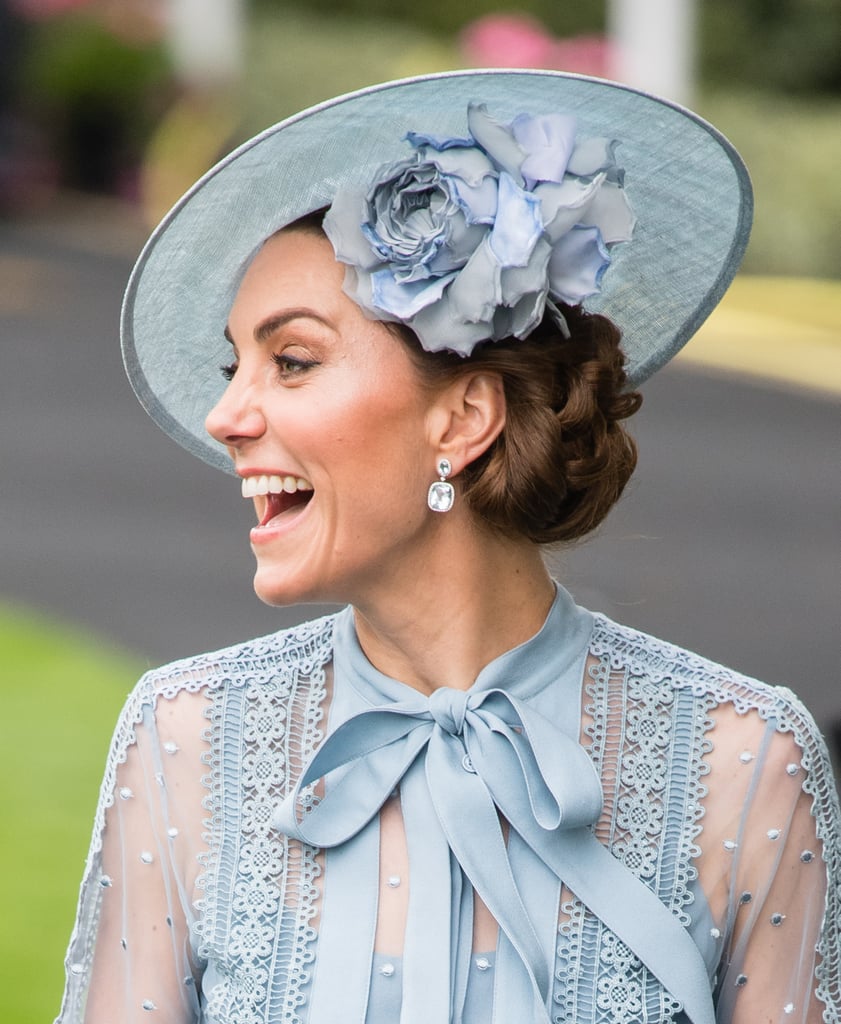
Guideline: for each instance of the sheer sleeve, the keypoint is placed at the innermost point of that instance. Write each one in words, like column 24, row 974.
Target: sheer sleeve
column 770, row 867
column 131, row 955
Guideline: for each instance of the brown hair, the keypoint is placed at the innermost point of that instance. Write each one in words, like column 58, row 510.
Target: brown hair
column 563, row 457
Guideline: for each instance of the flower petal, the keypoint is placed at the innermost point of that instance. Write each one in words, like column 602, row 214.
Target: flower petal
column 479, row 203
column 517, row 226
column 564, row 205
column 576, row 265
column 343, row 226
column 526, row 314
column 438, row 142
column 591, row 156
column 471, row 165
column 611, row 212
column 404, row 300
column 548, row 142
column 357, row 287
column 496, row 140
column 524, row 292
column 440, row 328
column 476, row 291
column 515, row 282
column 461, row 242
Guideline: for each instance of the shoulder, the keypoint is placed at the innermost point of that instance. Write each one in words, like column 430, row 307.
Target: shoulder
column 275, row 659
column 662, row 662
column 753, row 730
column 715, row 689
column 170, row 706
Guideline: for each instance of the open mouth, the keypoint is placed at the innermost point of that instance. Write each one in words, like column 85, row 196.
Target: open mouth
column 277, row 504
column 282, row 493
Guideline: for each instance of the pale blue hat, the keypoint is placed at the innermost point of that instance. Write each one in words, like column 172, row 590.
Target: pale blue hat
column 687, row 186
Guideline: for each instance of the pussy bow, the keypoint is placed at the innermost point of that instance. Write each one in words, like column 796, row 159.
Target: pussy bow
column 462, row 761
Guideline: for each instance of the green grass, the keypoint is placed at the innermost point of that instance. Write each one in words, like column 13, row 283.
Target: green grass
column 61, row 693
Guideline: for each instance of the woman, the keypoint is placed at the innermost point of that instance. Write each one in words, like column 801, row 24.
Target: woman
column 463, row 798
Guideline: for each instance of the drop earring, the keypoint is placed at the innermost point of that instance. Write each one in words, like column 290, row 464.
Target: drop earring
column 441, row 494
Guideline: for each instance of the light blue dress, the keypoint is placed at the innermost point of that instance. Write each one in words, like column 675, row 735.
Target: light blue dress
column 656, row 836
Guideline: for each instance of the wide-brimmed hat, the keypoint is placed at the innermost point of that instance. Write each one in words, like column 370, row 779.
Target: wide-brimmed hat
column 687, row 186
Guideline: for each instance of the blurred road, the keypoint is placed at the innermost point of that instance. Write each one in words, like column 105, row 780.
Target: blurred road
column 727, row 542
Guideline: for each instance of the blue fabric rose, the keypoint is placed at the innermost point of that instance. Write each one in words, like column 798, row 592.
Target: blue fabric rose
column 468, row 239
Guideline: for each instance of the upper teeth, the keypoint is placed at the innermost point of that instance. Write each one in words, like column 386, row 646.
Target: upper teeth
column 274, row 484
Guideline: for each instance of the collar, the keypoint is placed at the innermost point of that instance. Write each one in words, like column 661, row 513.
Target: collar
column 505, row 748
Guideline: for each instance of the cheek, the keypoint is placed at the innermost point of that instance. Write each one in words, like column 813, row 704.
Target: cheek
column 379, row 421
column 380, row 472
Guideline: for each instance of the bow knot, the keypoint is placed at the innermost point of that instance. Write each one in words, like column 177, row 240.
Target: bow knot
column 448, row 708
column 510, row 758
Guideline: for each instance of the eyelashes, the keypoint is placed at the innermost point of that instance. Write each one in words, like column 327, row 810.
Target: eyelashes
column 288, row 366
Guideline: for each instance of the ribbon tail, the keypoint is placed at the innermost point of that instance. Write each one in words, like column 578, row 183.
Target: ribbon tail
column 621, row 900
column 612, row 892
column 351, row 800
column 541, row 898
column 426, row 952
column 461, row 798
column 346, row 930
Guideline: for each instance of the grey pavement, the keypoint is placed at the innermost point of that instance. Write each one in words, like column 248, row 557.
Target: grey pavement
column 727, row 542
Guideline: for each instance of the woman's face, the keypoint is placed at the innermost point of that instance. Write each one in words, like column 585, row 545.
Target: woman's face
column 325, row 404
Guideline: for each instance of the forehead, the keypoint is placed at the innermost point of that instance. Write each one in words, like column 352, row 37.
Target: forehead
column 294, row 256
column 291, row 269
column 295, row 279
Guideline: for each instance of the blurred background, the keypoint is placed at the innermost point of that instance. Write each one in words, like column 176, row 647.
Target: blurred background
column 118, row 551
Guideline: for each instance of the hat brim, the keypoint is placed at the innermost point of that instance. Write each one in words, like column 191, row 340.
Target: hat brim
column 686, row 183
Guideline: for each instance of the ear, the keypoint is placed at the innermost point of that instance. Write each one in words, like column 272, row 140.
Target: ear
column 468, row 417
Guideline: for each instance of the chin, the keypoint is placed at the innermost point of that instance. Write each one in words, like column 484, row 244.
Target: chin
column 279, row 588
column 278, row 594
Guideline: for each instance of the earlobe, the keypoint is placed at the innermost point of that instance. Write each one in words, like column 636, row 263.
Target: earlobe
column 470, row 418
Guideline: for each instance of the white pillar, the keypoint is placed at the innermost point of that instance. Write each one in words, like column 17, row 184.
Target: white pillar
column 654, row 46
column 206, row 41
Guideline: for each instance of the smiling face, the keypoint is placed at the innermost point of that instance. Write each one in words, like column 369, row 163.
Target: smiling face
column 329, row 428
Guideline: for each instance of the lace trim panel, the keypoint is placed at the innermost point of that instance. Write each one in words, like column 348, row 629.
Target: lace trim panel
column 259, row 887
column 659, row 667
column 646, row 741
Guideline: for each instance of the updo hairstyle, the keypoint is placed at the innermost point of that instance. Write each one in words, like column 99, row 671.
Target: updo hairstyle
column 563, row 457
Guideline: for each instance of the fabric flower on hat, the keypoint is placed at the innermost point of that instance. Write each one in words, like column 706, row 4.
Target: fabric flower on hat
column 467, row 240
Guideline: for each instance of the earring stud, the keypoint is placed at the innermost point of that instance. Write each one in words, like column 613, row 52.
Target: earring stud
column 442, row 494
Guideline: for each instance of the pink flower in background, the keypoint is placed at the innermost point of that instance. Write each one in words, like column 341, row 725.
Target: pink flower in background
column 521, row 41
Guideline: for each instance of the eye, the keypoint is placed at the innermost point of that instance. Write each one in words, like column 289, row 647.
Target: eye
column 290, row 366
column 228, row 371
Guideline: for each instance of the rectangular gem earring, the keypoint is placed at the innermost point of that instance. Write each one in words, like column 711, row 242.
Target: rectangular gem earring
column 441, row 493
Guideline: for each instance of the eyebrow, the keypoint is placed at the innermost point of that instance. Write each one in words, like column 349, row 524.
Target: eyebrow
column 266, row 328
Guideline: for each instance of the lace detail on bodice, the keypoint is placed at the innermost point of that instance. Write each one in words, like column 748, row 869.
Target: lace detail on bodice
column 255, row 924
column 652, row 677
column 647, row 741
column 226, row 735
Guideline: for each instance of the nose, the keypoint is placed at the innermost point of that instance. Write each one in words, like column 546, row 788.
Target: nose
column 236, row 418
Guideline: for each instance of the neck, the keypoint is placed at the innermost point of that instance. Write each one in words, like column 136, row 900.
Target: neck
column 478, row 600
